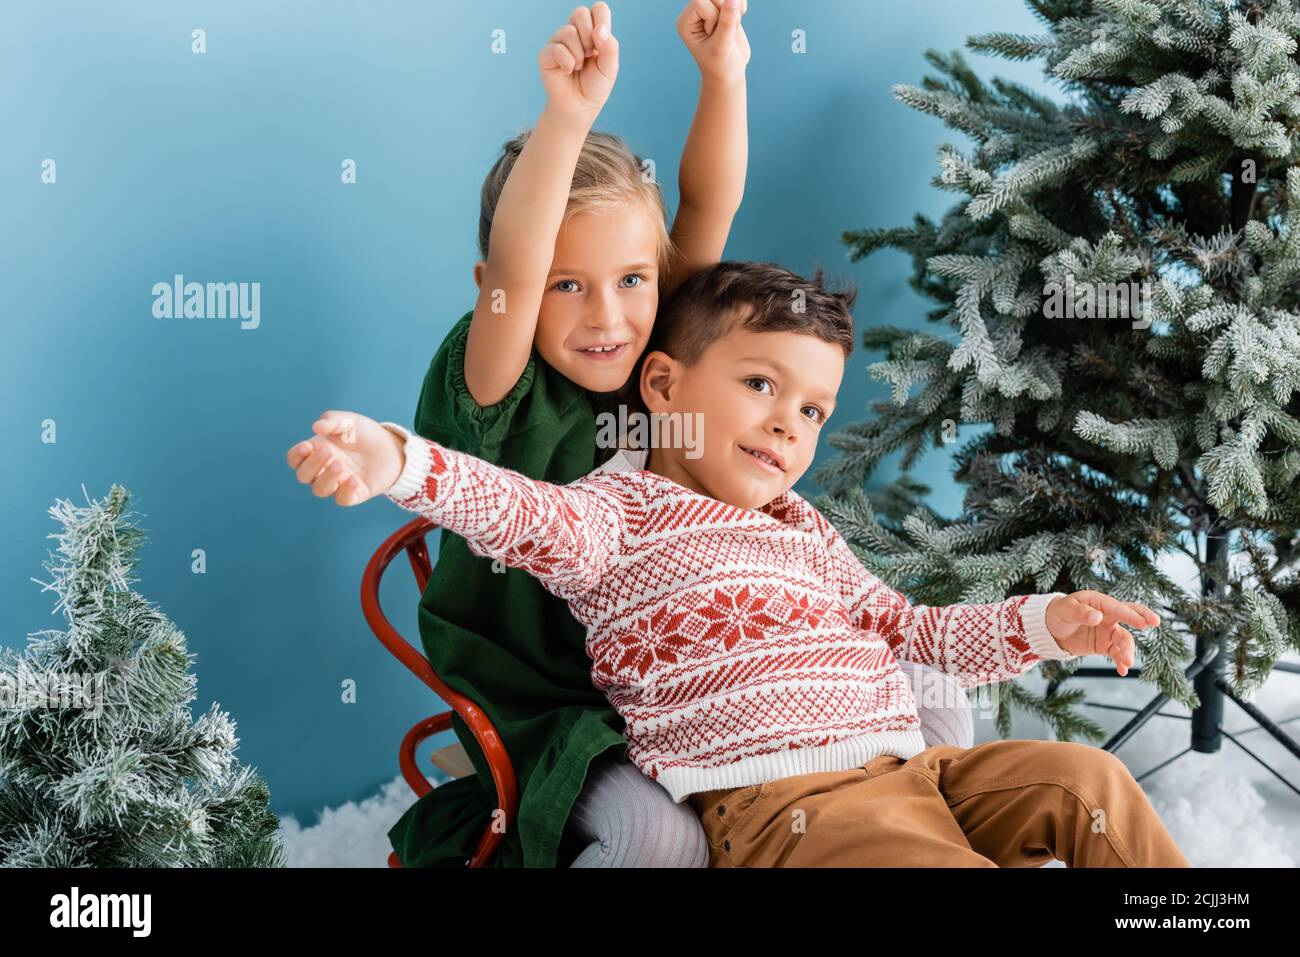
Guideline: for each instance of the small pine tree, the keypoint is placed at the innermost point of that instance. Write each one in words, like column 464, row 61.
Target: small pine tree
column 101, row 763
column 1115, row 429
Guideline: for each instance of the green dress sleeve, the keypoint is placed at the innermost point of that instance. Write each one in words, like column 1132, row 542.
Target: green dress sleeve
column 447, row 412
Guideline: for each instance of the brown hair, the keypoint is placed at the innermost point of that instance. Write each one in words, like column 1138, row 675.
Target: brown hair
column 607, row 174
column 711, row 303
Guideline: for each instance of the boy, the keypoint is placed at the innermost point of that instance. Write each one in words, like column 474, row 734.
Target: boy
column 752, row 657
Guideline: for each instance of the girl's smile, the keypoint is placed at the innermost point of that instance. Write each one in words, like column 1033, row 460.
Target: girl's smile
column 604, row 353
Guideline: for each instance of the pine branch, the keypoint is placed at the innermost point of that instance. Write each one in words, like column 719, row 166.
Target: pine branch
column 1174, row 165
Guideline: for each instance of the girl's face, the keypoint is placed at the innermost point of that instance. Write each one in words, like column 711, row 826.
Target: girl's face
column 602, row 291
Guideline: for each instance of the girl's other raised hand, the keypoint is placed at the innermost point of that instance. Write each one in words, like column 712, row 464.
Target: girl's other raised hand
column 712, row 31
column 580, row 62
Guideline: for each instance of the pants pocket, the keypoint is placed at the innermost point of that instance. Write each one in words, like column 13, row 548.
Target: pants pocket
column 722, row 817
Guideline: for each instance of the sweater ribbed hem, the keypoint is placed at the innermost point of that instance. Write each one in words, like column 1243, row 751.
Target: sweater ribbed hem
column 1034, row 614
column 682, row 782
column 417, row 463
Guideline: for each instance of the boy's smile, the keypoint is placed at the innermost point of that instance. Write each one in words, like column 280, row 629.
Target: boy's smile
column 766, row 457
column 764, row 397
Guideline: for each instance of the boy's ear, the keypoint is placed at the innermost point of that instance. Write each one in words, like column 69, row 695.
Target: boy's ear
column 478, row 273
column 658, row 376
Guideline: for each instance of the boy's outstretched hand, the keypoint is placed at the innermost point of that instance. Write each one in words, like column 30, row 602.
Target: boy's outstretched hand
column 1091, row 623
column 580, row 62
column 712, row 31
column 351, row 457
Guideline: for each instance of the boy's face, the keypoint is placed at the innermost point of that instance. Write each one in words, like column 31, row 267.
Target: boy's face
column 603, row 290
column 756, row 391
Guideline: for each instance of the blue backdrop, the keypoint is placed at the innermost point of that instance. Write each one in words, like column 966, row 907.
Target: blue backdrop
column 225, row 167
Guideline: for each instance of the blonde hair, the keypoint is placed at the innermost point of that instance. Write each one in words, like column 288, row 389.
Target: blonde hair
column 607, row 174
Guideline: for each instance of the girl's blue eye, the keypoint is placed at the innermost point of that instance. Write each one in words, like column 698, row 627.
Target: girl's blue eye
column 757, row 378
column 637, row 276
column 562, row 282
column 821, row 416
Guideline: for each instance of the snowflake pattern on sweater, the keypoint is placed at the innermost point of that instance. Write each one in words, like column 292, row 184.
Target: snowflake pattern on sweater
column 739, row 645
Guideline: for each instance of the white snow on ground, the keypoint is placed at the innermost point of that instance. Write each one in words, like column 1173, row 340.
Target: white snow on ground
column 352, row 835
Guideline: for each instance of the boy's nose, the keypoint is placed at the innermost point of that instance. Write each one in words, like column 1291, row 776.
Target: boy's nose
column 782, row 427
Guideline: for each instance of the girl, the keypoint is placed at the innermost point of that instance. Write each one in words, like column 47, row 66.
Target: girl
column 576, row 256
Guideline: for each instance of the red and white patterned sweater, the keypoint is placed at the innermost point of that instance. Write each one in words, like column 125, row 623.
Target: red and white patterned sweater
column 740, row 646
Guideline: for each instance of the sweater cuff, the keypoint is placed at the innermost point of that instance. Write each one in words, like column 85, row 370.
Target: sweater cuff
column 417, row 463
column 1033, row 614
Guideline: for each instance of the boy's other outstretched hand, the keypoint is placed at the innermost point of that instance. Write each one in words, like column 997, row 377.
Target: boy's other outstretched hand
column 580, row 62
column 351, row 457
column 1091, row 623
column 712, row 31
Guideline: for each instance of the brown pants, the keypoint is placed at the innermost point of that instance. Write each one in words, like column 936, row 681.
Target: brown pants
column 999, row 804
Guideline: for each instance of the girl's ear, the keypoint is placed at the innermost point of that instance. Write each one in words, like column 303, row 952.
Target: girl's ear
column 658, row 372
column 478, row 273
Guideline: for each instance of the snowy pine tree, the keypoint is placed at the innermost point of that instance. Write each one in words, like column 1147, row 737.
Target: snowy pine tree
column 1122, row 272
column 101, row 763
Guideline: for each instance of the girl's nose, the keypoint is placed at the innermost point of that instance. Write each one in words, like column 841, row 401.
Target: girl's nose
column 602, row 310
column 603, row 315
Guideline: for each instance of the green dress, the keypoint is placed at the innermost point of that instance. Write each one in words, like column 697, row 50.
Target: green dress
column 500, row 638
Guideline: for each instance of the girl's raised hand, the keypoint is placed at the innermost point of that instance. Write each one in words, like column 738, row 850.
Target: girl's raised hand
column 580, row 62
column 712, row 31
column 351, row 457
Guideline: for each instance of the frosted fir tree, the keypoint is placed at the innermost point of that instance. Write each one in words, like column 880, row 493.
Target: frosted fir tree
column 101, row 763
column 1121, row 273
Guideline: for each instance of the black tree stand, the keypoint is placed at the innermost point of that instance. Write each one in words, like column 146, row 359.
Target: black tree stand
column 1206, row 675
